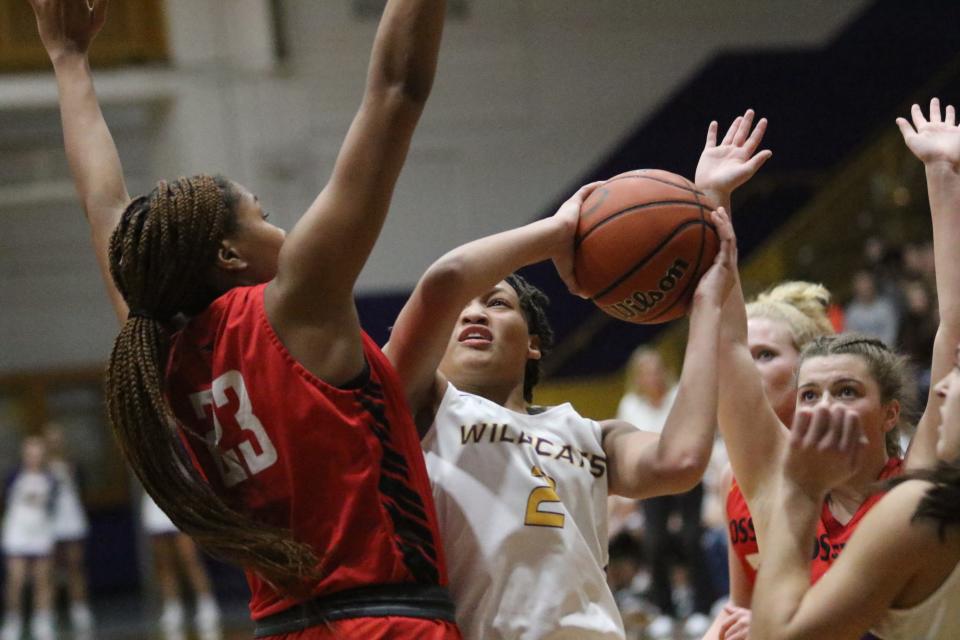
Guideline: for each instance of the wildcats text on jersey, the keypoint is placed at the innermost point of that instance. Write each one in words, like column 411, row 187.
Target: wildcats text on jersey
column 486, row 433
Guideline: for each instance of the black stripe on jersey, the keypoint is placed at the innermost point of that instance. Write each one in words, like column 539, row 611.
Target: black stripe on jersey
column 412, row 533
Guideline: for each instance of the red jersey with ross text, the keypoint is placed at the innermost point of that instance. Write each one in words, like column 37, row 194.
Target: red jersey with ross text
column 831, row 538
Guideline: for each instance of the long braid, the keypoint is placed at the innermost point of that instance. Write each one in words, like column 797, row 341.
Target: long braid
column 158, row 253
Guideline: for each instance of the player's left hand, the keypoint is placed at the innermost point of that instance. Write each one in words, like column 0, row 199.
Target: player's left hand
column 717, row 282
column 933, row 140
column 724, row 167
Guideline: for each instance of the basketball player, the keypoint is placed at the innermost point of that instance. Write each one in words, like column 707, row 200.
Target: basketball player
column 907, row 548
column 521, row 490
column 70, row 530
column 310, row 474
column 28, row 541
column 861, row 376
column 780, row 322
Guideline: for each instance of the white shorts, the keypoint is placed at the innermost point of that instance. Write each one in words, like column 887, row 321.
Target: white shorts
column 155, row 521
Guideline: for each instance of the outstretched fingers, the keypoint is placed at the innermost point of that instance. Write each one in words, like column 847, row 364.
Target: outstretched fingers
column 917, row 114
column 934, row 110
column 906, row 128
column 711, row 135
column 732, row 131
column 756, row 136
column 744, row 129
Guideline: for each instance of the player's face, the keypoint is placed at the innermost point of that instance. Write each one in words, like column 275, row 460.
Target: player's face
column 948, row 390
column 845, row 379
column 771, row 346
column 256, row 240
column 490, row 344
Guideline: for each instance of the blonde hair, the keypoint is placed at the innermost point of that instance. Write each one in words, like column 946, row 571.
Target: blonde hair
column 801, row 306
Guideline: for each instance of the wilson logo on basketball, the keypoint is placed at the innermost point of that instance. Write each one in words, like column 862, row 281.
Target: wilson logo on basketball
column 641, row 302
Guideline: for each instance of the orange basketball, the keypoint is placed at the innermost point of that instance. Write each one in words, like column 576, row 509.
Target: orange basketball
column 643, row 241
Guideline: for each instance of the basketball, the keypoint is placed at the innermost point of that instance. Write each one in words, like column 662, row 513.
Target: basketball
column 643, row 240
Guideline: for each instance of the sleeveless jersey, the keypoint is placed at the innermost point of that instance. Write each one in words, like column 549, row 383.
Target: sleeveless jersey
column 521, row 501
column 831, row 538
column 936, row 618
column 341, row 468
column 742, row 537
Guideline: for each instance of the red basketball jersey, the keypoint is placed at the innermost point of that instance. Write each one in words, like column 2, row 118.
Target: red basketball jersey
column 341, row 468
column 831, row 536
column 742, row 537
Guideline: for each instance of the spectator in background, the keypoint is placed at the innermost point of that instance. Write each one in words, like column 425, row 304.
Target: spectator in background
column 171, row 548
column 869, row 312
column 70, row 529
column 918, row 328
column 28, row 542
column 650, row 394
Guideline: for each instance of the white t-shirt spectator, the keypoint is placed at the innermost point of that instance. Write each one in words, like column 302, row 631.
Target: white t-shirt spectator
column 638, row 411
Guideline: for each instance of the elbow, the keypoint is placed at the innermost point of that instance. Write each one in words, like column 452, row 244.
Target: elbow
column 683, row 472
column 404, row 88
column 449, row 274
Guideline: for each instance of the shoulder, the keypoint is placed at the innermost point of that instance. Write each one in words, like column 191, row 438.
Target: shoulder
column 892, row 521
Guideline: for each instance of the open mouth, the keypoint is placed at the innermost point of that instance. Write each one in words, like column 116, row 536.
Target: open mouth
column 475, row 336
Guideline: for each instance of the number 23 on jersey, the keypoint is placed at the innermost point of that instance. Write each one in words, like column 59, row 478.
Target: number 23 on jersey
column 238, row 463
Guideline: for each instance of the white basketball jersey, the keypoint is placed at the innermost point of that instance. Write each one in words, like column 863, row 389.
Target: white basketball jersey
column 522, row 506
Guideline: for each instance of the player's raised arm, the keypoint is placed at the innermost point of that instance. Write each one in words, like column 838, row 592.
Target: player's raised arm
column 67, row 28
column 324, row 253
column 643, row 464
column 422, row 331
column 751, row 430
column 936, row 142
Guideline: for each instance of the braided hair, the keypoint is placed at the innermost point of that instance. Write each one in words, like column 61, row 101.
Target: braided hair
column 158, row 253
column 533, row 303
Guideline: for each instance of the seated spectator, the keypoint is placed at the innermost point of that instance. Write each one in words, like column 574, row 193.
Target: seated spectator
column 869, row 312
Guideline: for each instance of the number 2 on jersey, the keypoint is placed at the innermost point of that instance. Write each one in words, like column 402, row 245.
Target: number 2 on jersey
column 232, row 470
column 540, row 496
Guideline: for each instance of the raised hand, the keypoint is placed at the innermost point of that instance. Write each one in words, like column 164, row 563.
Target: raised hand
column 68, row 26
column 933, row 140
column 568, row 215
column 724, row 167
column 825, row 449
column 717, row 282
